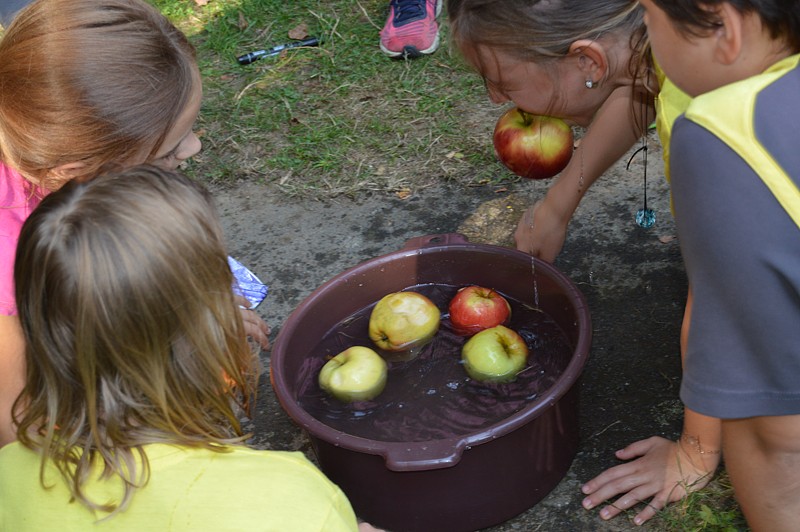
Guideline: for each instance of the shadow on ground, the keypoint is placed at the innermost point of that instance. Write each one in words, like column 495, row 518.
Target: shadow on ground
column 633, row 280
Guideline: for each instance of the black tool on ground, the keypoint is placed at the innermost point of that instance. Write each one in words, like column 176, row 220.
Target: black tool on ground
column 250, row 57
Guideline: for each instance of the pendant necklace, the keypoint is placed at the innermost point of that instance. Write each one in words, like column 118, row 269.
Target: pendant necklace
column 645, row 217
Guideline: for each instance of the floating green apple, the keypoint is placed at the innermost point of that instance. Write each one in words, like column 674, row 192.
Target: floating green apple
column 355, row 374
column 495, row 355
column 403, row 320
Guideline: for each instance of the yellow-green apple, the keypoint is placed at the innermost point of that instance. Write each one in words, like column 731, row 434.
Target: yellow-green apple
column 403, row 320
column 532, row 146
column 356, row 374
column 495, row 355
column 475, row 308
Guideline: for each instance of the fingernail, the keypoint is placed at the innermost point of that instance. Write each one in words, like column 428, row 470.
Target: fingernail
column 637, row 520
column 587, row 504
column 604, row 514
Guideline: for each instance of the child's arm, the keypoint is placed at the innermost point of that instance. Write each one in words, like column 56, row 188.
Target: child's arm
column 12, row 373
column 543, row 227
column 255, row 327
column 762, row 456
column 249, row 292
column 664, row 470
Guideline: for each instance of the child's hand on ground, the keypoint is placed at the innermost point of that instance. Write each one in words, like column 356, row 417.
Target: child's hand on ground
column 541, row 231
column 254, row 326
column 663, row 471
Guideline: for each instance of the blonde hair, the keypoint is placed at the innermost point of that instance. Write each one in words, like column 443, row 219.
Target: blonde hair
column 543, row 31
column 132, row 333
column 97, row 82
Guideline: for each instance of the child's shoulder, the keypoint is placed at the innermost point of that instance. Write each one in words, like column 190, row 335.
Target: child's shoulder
column 739, row 110
column 281, row 486
column 781, row 78
column 16, row 192
column 236, row 461
column 188, row 489
column 272, row 459
column 15, row 451
column 20, row 468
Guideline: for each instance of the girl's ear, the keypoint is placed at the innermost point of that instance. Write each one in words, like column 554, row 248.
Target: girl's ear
column 592, row 59
column 728, row 36
column 58, row 176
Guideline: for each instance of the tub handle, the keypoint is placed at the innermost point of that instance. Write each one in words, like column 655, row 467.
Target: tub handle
column 423, row 456
column 426, row 241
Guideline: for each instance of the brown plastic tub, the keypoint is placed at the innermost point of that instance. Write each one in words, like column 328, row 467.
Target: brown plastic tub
column 465, row 482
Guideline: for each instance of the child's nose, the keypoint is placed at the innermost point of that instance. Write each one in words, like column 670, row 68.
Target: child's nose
column 191, row 147
column 498, row 97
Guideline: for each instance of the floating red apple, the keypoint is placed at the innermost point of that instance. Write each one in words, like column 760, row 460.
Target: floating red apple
column 533, row 146
column 475, row 308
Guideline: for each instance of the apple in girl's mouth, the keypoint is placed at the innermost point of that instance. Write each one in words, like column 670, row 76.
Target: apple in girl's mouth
column 533, row 146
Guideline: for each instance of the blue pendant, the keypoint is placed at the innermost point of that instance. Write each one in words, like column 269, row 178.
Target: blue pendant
column 645, row 218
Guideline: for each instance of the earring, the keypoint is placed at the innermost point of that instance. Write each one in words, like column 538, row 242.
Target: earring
column 589, row 84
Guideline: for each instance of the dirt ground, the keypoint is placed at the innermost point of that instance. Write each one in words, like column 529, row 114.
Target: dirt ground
column 633, row 280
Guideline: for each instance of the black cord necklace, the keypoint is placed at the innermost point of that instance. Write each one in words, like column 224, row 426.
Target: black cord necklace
column 645, row 217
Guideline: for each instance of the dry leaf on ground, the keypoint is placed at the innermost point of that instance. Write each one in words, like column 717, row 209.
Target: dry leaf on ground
column 299, row 32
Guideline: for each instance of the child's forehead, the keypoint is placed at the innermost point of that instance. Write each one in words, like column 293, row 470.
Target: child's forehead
column 486, row 61
column 502, row 68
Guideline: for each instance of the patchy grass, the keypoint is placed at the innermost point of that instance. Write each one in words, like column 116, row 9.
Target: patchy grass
column 339, row 119
column 712, row 508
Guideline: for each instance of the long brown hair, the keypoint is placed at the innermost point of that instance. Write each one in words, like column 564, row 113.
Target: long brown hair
column 132, row 333
column 91, row 81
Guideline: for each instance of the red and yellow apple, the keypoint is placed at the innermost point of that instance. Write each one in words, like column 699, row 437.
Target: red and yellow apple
column 494, row 355
column 403, row 320
column 532, row 146
column 356, row 374
column 475, row 308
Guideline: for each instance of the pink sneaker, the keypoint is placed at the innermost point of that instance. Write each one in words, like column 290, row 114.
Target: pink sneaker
column 411, row 30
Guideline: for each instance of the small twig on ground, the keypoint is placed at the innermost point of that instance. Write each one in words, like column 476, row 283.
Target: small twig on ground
column 605, row 429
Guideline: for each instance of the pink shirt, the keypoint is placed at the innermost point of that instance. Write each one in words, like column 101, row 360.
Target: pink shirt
column 18, row 198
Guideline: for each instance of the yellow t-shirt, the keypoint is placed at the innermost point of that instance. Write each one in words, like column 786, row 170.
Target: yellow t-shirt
column 729, row 113
column 189, row 490
column 671, row 103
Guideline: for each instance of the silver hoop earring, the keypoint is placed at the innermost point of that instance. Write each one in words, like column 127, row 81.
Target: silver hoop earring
column 589, row 84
